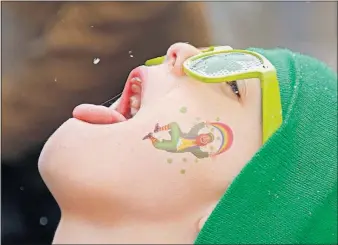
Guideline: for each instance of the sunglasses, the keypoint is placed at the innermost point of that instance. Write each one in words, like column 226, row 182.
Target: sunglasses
column 218, row 65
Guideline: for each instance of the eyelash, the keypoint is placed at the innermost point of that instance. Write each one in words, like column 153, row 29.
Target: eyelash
column 234, row 88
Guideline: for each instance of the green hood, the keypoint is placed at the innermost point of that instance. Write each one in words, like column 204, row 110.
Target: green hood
column 287, row 193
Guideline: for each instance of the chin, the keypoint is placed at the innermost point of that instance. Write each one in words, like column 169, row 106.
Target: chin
column 60, row 159
column 58, row 141
column 69, row 162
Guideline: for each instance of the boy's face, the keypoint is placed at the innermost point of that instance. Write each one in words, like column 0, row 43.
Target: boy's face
column 182, row 149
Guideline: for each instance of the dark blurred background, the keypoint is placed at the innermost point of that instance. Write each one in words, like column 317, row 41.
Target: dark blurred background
column 48, row 49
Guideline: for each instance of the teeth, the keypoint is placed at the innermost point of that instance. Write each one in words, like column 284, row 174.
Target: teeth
column 134, row 102
column 137, row 79
column 133, row 111
column 135, row 89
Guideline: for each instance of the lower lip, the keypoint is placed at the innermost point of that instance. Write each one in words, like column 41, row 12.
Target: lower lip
column 124, row 106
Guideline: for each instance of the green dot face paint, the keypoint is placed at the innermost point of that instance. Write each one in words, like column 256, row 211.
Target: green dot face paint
column 183, row 109
column 169, row 160
column 182, row 171
column 198, row 140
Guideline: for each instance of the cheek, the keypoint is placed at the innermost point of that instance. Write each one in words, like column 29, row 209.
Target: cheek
column 80, row 163
column 159, row 81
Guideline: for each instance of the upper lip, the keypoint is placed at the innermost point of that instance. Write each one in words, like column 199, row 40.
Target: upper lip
column 137, row 72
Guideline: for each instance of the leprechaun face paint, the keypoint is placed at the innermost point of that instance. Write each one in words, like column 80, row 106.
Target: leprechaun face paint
column 195, row 140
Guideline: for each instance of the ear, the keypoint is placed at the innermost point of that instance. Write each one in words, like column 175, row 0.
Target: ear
column 206, row 216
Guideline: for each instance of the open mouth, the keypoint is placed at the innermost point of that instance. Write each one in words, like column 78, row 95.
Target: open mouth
column 130, row 101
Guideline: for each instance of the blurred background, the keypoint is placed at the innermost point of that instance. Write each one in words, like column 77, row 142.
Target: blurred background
column 48, row 50
column 306, row 27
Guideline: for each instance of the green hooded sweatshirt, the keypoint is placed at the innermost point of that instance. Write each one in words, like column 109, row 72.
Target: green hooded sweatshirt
column 287, row 193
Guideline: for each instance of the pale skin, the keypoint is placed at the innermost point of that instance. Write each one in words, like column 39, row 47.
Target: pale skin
column 109, row 183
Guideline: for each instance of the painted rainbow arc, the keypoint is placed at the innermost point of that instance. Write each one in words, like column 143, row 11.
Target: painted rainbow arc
column 226, row 137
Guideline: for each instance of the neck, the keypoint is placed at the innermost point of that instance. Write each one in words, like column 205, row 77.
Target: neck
column 78, row 230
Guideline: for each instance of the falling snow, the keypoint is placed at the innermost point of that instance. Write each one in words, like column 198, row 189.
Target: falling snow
column 43, row 221
column 96, row 61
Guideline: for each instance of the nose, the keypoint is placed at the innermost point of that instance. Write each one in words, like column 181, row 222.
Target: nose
column 178, row 53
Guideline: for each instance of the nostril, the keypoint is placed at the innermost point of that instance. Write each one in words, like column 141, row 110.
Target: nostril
column 178, row 53
column 171, row 58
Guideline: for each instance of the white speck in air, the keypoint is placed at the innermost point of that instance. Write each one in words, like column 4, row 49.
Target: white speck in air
column 96, row 61
column 131, row 56
column 130, row 53
column 43, row 221
column 92, row 26
column 55, row 79
column 22, row 188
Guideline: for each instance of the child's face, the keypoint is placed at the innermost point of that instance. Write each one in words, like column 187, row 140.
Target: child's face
column 98, row 160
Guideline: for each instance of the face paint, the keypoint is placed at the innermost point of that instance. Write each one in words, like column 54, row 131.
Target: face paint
column 182, row 171
column 169, row 160
column 196, row 141
column 183, row 109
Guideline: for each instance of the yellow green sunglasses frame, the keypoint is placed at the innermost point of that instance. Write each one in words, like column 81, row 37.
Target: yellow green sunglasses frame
column 271, row 101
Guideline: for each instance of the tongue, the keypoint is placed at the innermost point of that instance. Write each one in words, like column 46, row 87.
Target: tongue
column 97, row 114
